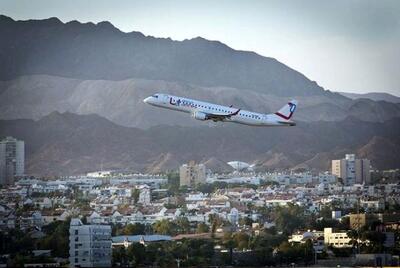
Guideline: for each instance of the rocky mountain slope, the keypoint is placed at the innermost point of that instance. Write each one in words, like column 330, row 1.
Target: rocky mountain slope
column 33, row 97
column 101, row 51
column 71, row 144
column 375, row 96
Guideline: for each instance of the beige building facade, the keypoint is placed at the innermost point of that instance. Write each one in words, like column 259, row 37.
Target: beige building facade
column 352, row 170
column 336, row 239
column 191, row 174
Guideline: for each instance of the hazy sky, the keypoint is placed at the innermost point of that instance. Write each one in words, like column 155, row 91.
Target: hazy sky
column 344, row 45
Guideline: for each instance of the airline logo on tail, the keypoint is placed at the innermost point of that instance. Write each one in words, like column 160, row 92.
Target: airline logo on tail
column 287, row 111
column 292, row 107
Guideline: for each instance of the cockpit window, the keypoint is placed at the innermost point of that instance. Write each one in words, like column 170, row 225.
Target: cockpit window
column 155, row 96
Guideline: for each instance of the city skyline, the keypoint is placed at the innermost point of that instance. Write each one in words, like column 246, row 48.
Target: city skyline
column 344, row 46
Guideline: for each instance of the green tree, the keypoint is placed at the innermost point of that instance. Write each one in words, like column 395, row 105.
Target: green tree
column 57, row 238
column 229, row 244
column 241, row 240
column 133, row 229
column 289, row 218
column 342, row 252
column 373, row 241
column 82, row 203
column 245, row 221
column 135, row 195
column 182, row 225
column 173, row 183
column 15, row 241
column 136, row 253
column 326, row 212
column 119, row 257
column 263, row 246
column 296, row 252
column 200, row 252
column 165, row 227
column 206, row 188
column 152, row 250
column 202, row 228
column 215, row 222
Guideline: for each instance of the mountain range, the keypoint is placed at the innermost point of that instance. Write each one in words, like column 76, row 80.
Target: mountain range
column 66, row 143
column 101, row 51
column 35, row 96
column 375, row 96
column 73, row 91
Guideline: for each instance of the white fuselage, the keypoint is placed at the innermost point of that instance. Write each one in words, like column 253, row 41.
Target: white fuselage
column 191, row 106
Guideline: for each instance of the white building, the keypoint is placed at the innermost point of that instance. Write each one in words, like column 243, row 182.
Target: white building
column 352, row 170
column 233, row 180
column 144, row 195
column 336, row 239
column 336, row 214
column 316, row 237
column 12, row 159
column 326, row 178
column 89, row 245
column 191, row 174
column 323, row 239
column 99, row 174
column 373, row 204
column 233, row 216
column 292, row 178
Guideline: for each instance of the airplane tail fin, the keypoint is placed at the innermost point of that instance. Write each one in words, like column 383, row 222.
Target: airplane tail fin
column 287, row 111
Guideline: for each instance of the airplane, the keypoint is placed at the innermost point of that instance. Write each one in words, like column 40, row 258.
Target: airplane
column 208, row 111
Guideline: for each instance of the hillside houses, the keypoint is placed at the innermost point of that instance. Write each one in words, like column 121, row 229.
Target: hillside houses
column 32, row 203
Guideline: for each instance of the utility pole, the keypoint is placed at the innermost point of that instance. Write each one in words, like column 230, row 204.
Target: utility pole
column 358, row 225
column 315, row 256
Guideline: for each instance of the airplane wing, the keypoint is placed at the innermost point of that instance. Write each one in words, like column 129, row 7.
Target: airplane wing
column 289, row 123
column 220, row 116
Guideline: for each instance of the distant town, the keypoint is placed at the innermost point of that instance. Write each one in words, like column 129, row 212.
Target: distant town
column 349, row 215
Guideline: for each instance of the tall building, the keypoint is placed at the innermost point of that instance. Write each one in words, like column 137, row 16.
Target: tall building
column 12, row 159
column 352, row 170
column 144, row 195
column 192, row 174
column 89, row 245
column 363, row 174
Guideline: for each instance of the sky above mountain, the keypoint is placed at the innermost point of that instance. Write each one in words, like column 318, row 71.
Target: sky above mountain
column 343, row 45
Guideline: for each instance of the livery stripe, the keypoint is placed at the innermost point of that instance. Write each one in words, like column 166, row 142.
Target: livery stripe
column 284, row 116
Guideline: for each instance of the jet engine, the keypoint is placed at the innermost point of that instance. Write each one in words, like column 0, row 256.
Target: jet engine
column 199, row 116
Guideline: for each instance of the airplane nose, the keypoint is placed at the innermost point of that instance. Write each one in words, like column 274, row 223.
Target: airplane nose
column 146, row 100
